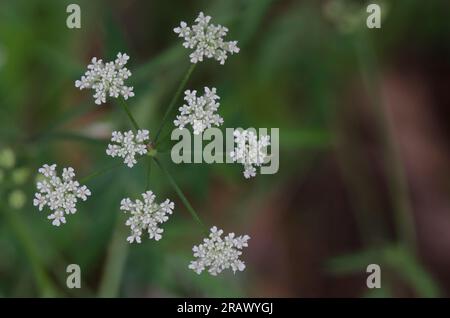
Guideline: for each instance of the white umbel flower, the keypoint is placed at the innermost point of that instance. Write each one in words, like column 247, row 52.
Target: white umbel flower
column 107, row 79
column 199, row 112
column 219, row 253
column 126, row 145
column 59, row 194
column 206, row 40
column 249, row 151
column 146, row 215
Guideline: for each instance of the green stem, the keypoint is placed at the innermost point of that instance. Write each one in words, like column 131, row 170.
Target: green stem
column 398, row 188
column 181, row 194
column 174, row 99
column 43, row 281
column 163, row 138
column 147, row 183
column 130, row 116
column 102, row 171
column 99, row 172
column 115, row 262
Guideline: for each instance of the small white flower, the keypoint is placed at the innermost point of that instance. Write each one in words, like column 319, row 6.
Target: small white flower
column 219, row 253
column 126, row 145
column 107, row 79
column 59, row 194
column 83, row 192
column 146, row 215
column 249, row 151
column 57, row 217
column 199, row 112
column 206, row 40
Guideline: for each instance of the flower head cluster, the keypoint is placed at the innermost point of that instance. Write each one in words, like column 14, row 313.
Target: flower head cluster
column 59, row 194
column 219, row 253
column 107, row 79
column 249, row 151
column 206, row 40
column 126, row 145
column 200, row 112
column 146, row 216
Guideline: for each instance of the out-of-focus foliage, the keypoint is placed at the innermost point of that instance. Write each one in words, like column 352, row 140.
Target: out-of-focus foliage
column 294, row 70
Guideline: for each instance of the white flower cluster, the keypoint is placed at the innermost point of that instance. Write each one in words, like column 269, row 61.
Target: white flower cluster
column 206, row 39
column 59, row 194
column 146, row 216
column 107, row 79
column 219, row 253
column 126, row 145
column 216, row 253
column 249, row 151
column 199, row 111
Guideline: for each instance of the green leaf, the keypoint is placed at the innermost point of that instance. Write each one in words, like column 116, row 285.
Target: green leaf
column 412, row 271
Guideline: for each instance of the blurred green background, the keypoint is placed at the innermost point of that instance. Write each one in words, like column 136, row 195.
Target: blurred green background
column 364, row 148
